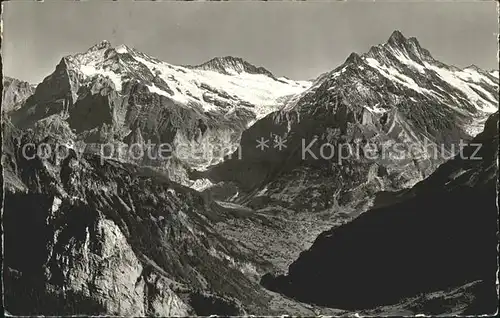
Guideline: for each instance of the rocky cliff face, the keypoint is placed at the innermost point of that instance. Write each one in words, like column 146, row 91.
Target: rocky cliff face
column 85, row 236
column 111, row 238
column 441, row 236
column 381, row 121
column 14, row 93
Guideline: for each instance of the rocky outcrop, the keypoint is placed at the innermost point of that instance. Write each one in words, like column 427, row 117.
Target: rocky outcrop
column 79, row 264
column 14, row 93
column 107, row 238
column 442, row 236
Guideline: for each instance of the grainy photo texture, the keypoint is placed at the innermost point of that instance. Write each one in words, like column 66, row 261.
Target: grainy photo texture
column 249, row 158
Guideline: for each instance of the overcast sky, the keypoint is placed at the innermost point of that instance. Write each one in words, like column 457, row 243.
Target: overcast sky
column 298, row 40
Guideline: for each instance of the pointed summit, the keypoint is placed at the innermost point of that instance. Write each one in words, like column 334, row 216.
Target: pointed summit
column 473, row 67
column 93, row 55
column 353, row 58
column 397, row 37
column 397, row 42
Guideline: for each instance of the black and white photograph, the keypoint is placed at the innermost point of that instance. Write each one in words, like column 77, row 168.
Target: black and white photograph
column 250, row 158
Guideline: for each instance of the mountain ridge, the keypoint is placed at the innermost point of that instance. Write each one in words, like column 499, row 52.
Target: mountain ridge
column 449, row 246
column 365, row 100
column 120, row 234
column 105, row 94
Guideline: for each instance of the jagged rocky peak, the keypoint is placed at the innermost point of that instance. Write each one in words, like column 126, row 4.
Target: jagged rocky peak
column 75, row 69
column 104, row 44
column 353, row 58
column 231, row 65
column 396, row 38
column 399, row 45
column 94, row 55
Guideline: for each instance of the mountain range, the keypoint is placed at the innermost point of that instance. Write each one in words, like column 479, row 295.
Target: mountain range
column 344, row 193
column 396, row 94
column 120, row 95
column 442, row 235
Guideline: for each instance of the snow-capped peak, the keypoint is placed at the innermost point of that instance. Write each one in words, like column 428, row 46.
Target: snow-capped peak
column 94, row 55
column 231, row 65
column 407, row 50
column 401, row 64
column 353, row 58
column 399, row 42
column 217, row 85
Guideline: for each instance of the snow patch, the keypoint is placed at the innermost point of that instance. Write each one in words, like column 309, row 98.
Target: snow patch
column 259, row 90
column 122, row 49
column 476, row 126
column 376, row 109
column 262, row 192
column 154, row 89
column 56, row 204
column 452, row 79
column 201, row 184
column 470, row 74
column 90, row 71
column 407, row 61
column 395, row 76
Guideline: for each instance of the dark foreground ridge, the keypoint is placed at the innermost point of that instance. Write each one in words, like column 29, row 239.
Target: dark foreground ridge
column 443, row 236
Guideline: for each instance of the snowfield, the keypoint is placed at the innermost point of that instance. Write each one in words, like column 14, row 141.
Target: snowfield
column 456, row 79
column 260, row 93
column 257, row 89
